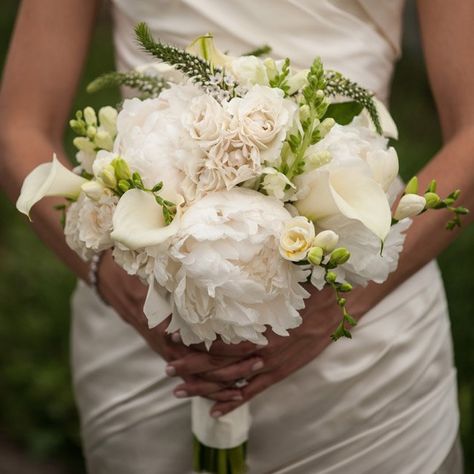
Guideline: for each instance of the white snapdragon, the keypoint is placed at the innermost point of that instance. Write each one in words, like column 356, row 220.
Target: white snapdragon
column 277, row 184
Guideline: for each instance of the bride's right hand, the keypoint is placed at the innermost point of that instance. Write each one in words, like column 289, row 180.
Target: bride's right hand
column 126, row 294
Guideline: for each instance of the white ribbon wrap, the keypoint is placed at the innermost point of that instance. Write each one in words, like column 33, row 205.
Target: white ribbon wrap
column 228, row 431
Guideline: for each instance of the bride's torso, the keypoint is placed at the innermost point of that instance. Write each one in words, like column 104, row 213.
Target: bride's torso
column 360, row 38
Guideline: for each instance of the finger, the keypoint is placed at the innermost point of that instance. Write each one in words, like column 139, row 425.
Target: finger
column 220, row 348
column 257, row 384
column 198, row 387
column 226, row 395
column 241, row 369
column 195, row 363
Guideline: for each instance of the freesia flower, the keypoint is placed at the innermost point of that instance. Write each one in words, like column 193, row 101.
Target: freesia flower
column 296, row 238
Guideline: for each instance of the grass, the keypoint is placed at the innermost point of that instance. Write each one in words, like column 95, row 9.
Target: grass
column 36, row 399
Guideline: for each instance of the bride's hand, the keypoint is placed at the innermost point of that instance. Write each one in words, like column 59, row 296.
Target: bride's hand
column 126, row 294
column 280, row 358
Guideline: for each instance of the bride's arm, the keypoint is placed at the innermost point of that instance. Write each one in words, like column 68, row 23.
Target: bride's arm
column 448, row 44
column 47, row 52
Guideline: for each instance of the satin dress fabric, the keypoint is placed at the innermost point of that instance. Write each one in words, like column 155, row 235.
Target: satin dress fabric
column 383, row 402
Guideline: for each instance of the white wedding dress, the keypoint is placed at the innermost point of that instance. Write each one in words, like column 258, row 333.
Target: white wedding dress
column 381, row 403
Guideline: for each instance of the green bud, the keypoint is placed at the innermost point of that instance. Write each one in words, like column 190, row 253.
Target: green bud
column 432, row 186
column 432, row 199
column 461, row 210
column 320, row 94
column 345, row 287
column 123, row 185
column 455, row 194
column 108, row 176
column 78, row 126
column 315, row 255
column 339, row 256
column 331, row 277
column 341, row 302
column 122, row 170
column 157, row 187
column 137, row 180
column 90, row 117
column 412, row 186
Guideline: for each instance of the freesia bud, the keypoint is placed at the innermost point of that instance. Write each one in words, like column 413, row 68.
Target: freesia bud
column 271, row 68
column 93, row 190
column 315, row 255
column 410, row 205
column 339, row 256
column 90, row 117
column 91, row 132
column 108, row 176
column 103, row 140
column 432, row 199
column 331, row 277
column 412, row 186
column 122, row 170
column 327, row 240
column 77, row 126
column 345, row 287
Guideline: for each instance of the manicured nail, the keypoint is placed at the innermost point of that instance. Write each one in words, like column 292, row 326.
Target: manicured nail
column 175, row 337
column 181, row 394
column 170, row 371
column 216, row 414
column 238, row 398
column 257, row 366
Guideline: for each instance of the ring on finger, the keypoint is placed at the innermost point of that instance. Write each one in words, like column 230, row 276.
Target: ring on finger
column 241, row 383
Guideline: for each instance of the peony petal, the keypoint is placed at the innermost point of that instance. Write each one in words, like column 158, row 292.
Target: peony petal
column 351, row 194
column 157, row 305
column 48, row 179
column 138, row 221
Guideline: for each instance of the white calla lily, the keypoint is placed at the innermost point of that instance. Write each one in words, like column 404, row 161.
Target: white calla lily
column 204, row 47
column 347, row 192
column 138, row 221
column 48, row 179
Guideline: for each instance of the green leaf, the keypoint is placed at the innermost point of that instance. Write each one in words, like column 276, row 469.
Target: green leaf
column 344, row 112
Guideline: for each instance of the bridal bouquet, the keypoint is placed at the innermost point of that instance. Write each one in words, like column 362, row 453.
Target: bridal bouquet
column 224, row 186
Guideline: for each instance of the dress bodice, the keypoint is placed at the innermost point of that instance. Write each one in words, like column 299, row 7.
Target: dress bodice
column 360, row 38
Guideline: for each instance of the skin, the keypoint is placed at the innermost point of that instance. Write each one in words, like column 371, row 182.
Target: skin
column 33, row 112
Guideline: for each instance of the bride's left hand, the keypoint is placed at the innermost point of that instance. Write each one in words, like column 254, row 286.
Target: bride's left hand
column 280, row 358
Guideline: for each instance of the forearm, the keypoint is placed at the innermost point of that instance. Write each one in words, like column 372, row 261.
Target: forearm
column 18, row 155
column 453, row 169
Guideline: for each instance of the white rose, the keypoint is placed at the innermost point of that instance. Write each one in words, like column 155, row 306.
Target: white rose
column 225, row 273
column 262, row 118
column 410, row 205
column 249, row 70
column 296, row 238
column 206, row 120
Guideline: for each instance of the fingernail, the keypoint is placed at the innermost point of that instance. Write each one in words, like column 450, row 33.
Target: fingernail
column 175, row 337
column 237, row 398
column 257, row 366
column 181, row 394
column 170, row 371
column 216, row 414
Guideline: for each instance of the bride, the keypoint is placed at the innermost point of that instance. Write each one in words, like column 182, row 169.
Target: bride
column 384, row 402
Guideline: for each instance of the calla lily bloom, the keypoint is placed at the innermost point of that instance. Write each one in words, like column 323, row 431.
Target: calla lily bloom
column 347, row 192
column 138, row 221
column 48, row 179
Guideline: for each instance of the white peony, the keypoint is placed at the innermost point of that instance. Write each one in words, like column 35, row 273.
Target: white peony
column 89, row 224
column 262, row 118
column 135, row 262
column 225, row 273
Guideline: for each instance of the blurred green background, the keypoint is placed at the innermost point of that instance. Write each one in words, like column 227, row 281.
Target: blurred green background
column 37, row 413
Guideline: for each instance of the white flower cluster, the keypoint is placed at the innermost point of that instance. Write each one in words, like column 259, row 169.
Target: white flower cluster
column 213, row 202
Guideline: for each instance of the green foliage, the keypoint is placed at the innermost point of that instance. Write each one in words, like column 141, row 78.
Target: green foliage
column 197, row 69
column 149, row 86
column 280, row 80
column 261, row 51
column 344, row 112
column 337, row 84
